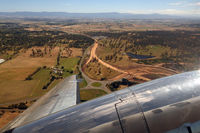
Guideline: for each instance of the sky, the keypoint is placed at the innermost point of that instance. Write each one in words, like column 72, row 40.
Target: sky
column 178, row 7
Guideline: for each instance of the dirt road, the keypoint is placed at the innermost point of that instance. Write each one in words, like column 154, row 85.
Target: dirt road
column 94, row 56
column 137, row 72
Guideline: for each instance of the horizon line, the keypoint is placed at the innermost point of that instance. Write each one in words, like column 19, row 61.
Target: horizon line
column 130, row 13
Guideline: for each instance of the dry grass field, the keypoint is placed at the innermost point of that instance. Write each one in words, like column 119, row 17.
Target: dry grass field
column 122, row 60
column 7, row 117
column 13, row 73
column 134, row 69
column 136, row 25
column 99, row 72
column 76, row 52
column 89, row 94
column 14, row 87
column 71, row 52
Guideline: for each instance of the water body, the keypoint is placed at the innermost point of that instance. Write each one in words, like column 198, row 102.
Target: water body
column 1, row 61
column 136, row 56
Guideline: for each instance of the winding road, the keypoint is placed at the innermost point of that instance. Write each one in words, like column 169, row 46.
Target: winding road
column 123, row 72
column 94, row 56
column 88, row 79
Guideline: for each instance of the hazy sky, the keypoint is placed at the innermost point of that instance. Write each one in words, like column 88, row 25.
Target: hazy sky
column 126, row 6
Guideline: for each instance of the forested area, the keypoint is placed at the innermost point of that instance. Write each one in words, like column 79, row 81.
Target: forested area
column 14, row 37
column 179, row 47
column 173, row 39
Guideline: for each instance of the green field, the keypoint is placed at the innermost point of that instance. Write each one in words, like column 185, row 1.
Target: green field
column 96, row 84
column 25, row 89
column 83, row 84
column 42, row 77
column 54, row 83
column 91, row 94
column 69, row 63
column 156, row 50
column 20, row 90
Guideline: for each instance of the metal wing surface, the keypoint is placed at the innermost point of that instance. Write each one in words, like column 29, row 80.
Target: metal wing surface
column 62, row 96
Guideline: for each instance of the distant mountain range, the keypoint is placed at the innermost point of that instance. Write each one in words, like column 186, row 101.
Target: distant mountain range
column 110, row 15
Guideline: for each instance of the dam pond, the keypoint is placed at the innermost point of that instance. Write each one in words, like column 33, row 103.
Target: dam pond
column 137, row 56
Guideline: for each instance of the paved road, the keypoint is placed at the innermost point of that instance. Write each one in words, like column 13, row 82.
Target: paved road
column 89, row 80
column 94, row 56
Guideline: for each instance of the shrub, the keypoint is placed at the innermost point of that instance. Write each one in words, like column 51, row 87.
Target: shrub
column 22, row 106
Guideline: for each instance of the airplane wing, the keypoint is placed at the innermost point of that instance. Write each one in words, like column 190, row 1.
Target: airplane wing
column 167, row 105
column 62, row 96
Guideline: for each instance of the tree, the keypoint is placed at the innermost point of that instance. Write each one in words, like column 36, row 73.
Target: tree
column 33, row 52
column 45, row 50
column 22, row 106
column 58, row 59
